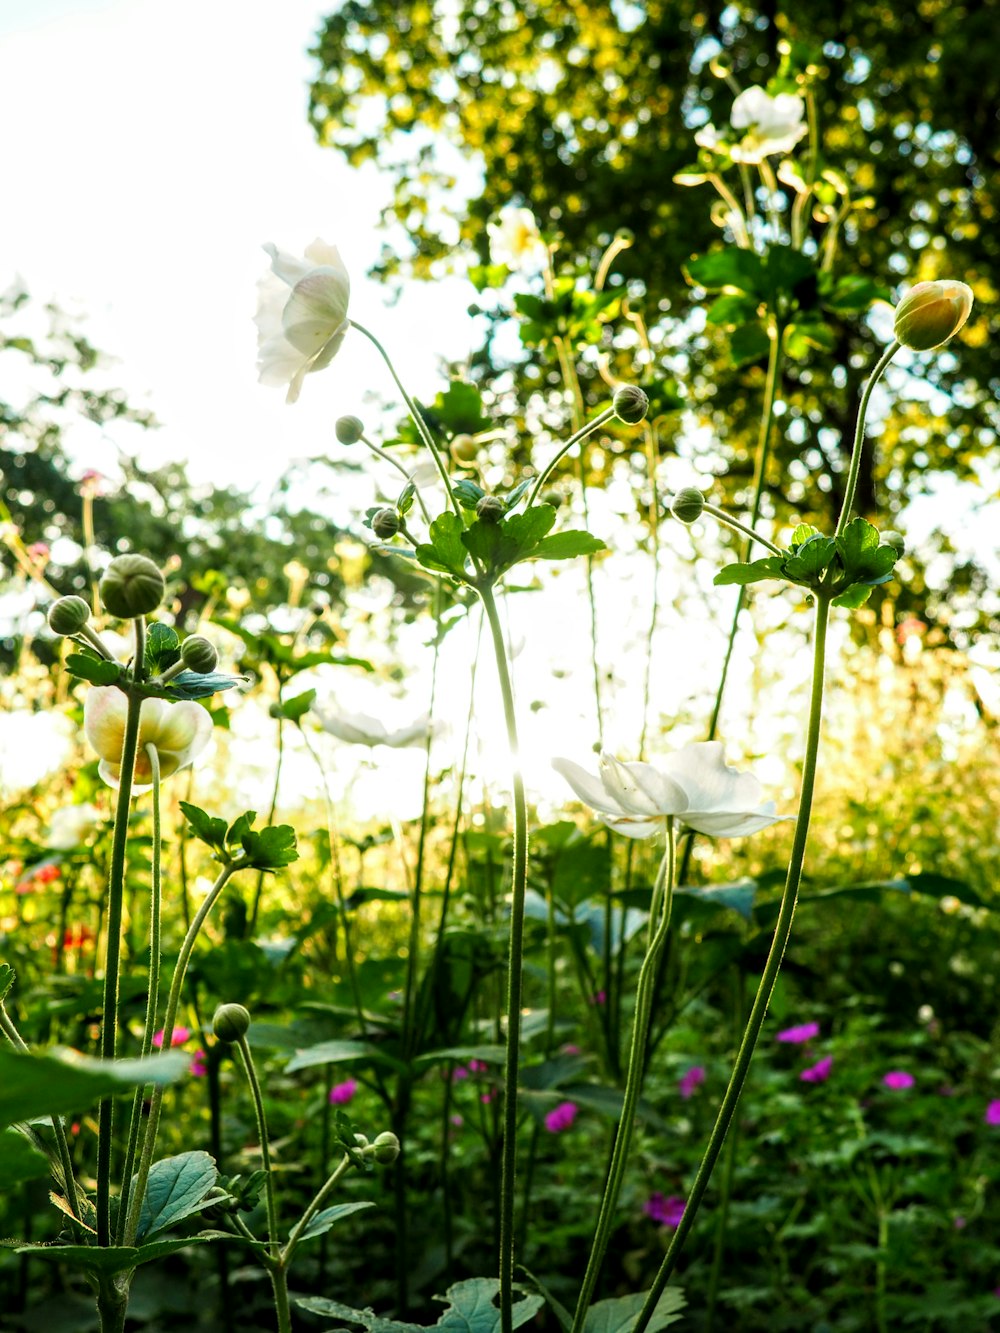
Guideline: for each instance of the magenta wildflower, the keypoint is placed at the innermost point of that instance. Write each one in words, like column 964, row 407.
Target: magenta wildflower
column 487, row 1097
column 694, row 1078
column 457, row 1120
column 478, row 1066
column 458, row 1073
column 197, row 1067
column 570, row 1049
column 992, row 1116
column 898, row 1079
column 668, row 1212
column 599, row 997
column 819, row 1072
column 800, row 1033
column 177, row 1038
column 561, row 1117
column 961, row 1223
column 341, row 1093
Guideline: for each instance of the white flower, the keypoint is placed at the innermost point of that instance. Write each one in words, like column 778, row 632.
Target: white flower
column 69, row 826
column 301, row 314
column 515, row 239
column 693, row 785
column 179, row 732
column 772, row 124
column 362, row 729
column 709, row 137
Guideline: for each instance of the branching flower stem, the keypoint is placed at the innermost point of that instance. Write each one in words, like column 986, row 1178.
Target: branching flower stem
column 575, row 438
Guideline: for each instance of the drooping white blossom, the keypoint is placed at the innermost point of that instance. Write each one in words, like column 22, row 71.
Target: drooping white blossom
column 301, row 314
column 178, row 731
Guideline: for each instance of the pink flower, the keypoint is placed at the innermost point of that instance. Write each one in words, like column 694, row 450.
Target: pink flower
column 457, row 1120
column 797, row 1035
column 992, row 1116
column 599, row 997
column 487, row 1097
column 570, row 1049
column 197, row 1067
column 478, row 1066
column 819, row 1072
column 458, row 1073
column 960, row 1223
column 694, row 1078
column 341, row 1093
column 177, row 1038
column 898, row 1079
column 561, row 1117
column 668, row 1212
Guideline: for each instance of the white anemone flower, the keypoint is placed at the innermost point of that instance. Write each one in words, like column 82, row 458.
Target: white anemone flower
column 772, row 124
column 693, row 786
column 179, row 732
column 301, row 314
column 70, row 825
column 516, row 241
column 363, row 729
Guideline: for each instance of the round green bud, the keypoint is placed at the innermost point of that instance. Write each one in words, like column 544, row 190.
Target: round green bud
column 131, row 586
column 349, row 429
column 198, row 654
column 385, row 1148
column 362, row 1141
column 490, row 509
column 553, row 498
column 231, row 1022
column 687, row 505
column 464, row 449
column 386, row 523
column 894, row 539
column 630, row 403
column 931, row 313
column 68, row 615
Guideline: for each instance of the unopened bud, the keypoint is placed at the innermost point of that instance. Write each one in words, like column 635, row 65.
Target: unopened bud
column 131, row 586
column 385, row 1148
column 68, row 615
column 630, row 403
column 687, row 505
column 231, row 1022
column 464, row 449
column 198, row 654
column 385, row 523
column 932, row 312
column 349, row 429
column 490, row 509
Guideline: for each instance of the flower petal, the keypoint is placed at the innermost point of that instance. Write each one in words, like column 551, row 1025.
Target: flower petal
column 589, row 789
column 316, row 311
column 104, row 710
column 700, row 768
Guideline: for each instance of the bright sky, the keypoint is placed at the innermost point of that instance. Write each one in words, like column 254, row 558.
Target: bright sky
column 149, row 151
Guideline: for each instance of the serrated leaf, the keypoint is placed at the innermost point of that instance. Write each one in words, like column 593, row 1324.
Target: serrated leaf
column 810, row 559
column 175, row 1189
column 96, row 670
column 62, row 1080
column 770, row 568
column 444, row 551
column 619, row 1314
column 566, row 545
column 207, row 828
column 471, row 1309
column 271, row 848
column 732, row 267
column 802, row 533
column 162, row 647
column 501, row 545
column 322, row 1221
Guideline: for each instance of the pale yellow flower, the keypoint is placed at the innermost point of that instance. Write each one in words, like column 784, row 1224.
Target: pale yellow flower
column 179, row 732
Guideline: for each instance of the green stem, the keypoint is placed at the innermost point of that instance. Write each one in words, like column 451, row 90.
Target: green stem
column 321, row 1197
column 153, row 991
column 112, row 964
column 415, row 415
column 751, row 536
column 725, row 1193
column 859, row 437
column 514, row 970
column 259, row 889
column 758, row 1011
column 394, row 462
column 246, row 1059
column 659, row 923
column 575, row 438
column 173, row 1001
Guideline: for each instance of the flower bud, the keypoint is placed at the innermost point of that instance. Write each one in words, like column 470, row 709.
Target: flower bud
column 630, row 403
column 231, row 1022
column 349, row 429
column 894, row 539
column 198, row 654
column 131, row 586
column 68, row 615
column 687, row 505
column 490, row 509
column 932, row 312
column 385, row 1148
column 385, row 523
column 464, row 449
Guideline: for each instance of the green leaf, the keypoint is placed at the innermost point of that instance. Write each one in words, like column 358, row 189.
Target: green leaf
column 749, row 343
column 98, row 670
column 106, row 1260
column 63, row 1080
column 162, row 647
column 337, row 1053
column 771, row 568
column 810, row 559
column 619, row 1314
column 20, row 1160
column 739, row 896
column 207, row 828
column 199, row 685
column 805, row 336
column 802, row 533
column 322, row 1221
column 500, row 545
column 854, row 597
column 853, row 294
column 271, row 848
column 566, row 545
column 488, row 1054
column 729, row 312
column 471, row 1309
column 792, row 280
column 467, row 493
column 731, row 267
column 295, row 709
column 176, row 1188
column 444, row 551
column 7, row 976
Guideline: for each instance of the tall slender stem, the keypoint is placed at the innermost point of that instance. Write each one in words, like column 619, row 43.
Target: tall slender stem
column 575, row 438
column 859, row 437
column 758, row 1011
column 659, row 928
column 279, row 761
column 514, row 970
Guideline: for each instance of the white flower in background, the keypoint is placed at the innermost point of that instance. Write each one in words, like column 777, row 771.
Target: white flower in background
column 178, row 731
column 69, row 826
column 709, row 137
column 516, row 241
column 362, row 729
column 693, row 786
column 301, row 314
column 772, row 124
